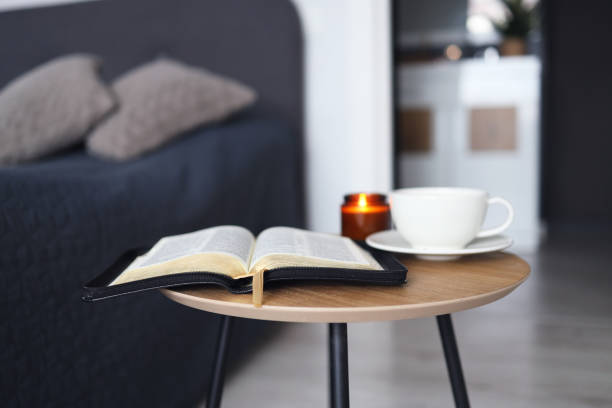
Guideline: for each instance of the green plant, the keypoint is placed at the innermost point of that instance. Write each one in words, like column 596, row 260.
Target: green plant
column 520, row 19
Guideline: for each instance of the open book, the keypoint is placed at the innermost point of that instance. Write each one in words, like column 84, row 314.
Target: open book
column 240, row 260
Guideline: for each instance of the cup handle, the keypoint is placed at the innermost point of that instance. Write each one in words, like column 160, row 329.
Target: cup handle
column 494, row 231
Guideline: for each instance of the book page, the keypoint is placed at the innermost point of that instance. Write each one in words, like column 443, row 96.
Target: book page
column 225, row 250
column 228, row 239
column 296, row 242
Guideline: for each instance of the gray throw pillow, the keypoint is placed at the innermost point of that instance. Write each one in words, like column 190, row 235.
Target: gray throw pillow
column 51, row 107
column 160, row 100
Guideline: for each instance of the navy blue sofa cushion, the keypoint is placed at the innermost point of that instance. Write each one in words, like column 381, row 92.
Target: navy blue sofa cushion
column 64, row 220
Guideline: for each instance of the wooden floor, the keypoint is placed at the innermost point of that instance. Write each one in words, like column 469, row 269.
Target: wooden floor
column 548, row 344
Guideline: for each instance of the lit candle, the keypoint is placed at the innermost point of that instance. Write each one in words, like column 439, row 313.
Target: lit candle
column 363, row 214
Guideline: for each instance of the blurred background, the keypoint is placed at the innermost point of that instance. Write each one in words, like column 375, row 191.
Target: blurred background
column 468, row 102
column 512, row 97
column 509, row 96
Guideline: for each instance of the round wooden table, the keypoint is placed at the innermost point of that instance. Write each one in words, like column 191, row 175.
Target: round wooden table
column 431, row 289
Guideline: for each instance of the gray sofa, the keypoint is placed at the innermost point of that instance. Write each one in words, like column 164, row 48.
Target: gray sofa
column 66, row 218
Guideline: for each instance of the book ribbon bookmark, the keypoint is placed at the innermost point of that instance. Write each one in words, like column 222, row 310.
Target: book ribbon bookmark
column 258, row 289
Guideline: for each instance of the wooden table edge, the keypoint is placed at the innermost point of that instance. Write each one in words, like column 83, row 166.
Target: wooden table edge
column 339, row 314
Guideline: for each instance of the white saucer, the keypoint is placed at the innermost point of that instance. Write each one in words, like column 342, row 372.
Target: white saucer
column 391, row 240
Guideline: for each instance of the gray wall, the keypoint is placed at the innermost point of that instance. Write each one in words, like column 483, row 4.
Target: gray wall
column 430, row 15
column 577, row 125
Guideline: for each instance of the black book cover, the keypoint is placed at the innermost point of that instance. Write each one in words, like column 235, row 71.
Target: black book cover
column 393, row 273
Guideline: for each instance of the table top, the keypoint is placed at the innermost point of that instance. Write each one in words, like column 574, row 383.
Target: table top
column 432, row 288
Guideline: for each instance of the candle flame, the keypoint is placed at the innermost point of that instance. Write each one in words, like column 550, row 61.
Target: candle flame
column 362, row 200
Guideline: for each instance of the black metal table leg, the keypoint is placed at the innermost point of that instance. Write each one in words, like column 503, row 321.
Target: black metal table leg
column 451, row 354
column 338, row 366
column 215, row 390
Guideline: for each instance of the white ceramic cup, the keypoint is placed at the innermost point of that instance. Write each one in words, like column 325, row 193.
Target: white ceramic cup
column 444, row 217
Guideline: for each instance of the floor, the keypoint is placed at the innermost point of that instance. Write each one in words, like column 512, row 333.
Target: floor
column 548, row 344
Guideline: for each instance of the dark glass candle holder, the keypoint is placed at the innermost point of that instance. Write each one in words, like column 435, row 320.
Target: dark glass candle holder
column 363, row 214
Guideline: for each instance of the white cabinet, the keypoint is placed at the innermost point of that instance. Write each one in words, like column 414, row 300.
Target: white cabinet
column 483, row 132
